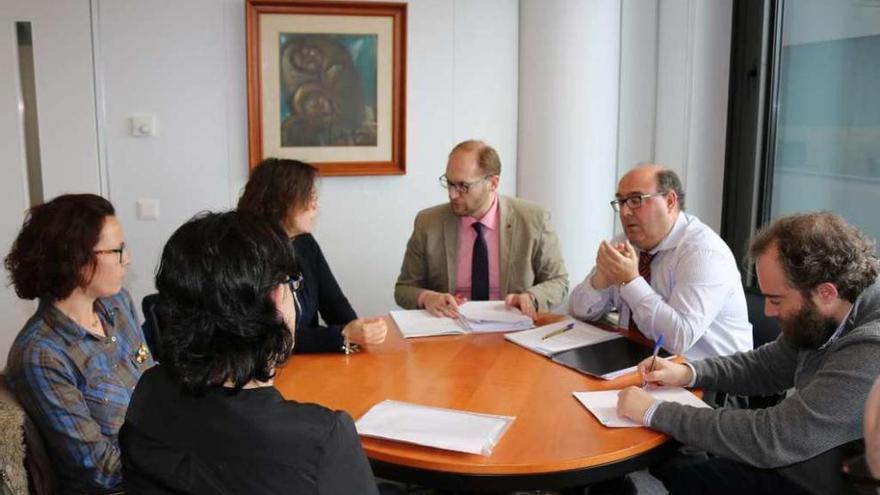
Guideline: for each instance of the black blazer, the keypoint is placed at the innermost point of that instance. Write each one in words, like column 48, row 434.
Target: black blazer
column 319, row 295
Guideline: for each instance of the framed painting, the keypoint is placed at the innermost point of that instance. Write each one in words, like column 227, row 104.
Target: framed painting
column 326, row 84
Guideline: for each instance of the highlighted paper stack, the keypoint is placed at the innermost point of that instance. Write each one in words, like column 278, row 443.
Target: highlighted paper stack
column 448, row 429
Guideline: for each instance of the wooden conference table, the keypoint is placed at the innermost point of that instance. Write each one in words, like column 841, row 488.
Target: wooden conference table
column 553, row 443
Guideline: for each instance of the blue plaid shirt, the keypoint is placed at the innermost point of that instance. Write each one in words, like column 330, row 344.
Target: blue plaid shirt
column 76, row 386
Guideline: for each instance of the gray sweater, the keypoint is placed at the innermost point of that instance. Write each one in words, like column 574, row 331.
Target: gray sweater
column 824, row 411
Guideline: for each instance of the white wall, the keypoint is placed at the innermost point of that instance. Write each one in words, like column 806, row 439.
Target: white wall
column 195, row 86
column 462, row 83
column 606, row 84
column 184, row 63
column 66, row 114
column 677, row 115
column 468, row 76
column 569, row 80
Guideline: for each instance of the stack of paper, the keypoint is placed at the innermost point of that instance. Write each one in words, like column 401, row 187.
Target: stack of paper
column 448, row 429
column 474, row 317
column 420, row 323
column 561, row 336
column 492, row 316
column 603, row 404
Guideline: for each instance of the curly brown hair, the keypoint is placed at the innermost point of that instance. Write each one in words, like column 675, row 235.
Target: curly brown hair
column 55, row 244
column 820, row 247
column 276, row 185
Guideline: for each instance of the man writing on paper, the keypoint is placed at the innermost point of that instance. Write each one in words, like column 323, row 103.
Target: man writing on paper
column 669, row 274
column 819, row 277
column 480, row 245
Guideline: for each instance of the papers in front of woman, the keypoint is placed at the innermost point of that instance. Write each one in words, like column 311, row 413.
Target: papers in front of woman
column 449, row 429
column 603, row 404
column 475, row 317
column 550, row 339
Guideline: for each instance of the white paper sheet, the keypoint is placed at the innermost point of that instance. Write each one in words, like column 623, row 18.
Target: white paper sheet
column 493, row 316
column 603, row 404
column 420, row 323
column 476, row 317
column 581, row 335
column 448, row 429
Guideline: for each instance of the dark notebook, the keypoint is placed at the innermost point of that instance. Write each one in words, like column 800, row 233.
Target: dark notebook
column 605, row 357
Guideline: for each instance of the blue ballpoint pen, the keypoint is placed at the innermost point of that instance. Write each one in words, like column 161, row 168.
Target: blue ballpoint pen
column 657, row 346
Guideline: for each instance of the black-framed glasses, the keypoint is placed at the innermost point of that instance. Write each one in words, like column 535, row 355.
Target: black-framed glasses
column 460, row 187
column 294, row 281
column 118, row 251
column 635, row 201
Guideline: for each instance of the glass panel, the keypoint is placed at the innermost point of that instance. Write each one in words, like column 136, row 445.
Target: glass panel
column 827, row 149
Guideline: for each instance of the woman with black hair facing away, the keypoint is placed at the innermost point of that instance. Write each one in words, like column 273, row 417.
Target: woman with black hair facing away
column 285, row 191
column 75, row 362
column 207, row 419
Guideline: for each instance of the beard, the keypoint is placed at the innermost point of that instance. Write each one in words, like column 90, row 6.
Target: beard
column 808, row 328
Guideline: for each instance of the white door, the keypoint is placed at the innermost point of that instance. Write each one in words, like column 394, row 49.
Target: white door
column 66, row 115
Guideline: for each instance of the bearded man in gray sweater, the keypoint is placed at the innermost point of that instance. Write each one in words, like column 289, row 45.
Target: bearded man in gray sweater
column 819, row 277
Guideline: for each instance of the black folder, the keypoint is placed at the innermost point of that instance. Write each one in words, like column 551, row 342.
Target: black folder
column 605, row 357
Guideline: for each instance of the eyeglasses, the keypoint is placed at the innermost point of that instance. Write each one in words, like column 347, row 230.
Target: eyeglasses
column 119, row 251
column 635, row 201
column 294, row 281
column 460, row 187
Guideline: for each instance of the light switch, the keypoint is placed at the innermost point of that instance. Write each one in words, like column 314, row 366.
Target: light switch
column 143, row 125
column 147, row 209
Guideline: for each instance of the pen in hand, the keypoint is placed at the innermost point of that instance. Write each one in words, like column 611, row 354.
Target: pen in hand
column 561, row 331
column 657, row 346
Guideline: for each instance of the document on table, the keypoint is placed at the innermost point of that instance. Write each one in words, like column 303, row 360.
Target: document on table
column 448, row 429
column 493, row 316
column 476, row 317
column 580, row 335
column 603, row 404
column 420, row 323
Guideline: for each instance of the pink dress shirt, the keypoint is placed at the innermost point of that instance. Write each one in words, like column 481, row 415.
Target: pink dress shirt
column 466, row 237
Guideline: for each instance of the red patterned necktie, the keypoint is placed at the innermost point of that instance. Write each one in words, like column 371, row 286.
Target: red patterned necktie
column 645, row 259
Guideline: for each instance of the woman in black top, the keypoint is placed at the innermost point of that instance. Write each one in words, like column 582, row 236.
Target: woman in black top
column 207, row 419
column 285, row 191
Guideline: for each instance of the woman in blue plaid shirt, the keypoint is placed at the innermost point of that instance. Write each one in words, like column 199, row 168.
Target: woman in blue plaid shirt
column 75, row 363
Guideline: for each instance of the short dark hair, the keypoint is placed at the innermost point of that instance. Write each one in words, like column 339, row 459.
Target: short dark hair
column 667, row 180
column 487, row 158
column 820, row 247
column 275, row 185
column 55, row 245
column 214, row 280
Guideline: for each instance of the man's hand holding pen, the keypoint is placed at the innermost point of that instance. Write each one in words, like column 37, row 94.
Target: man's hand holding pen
column 633, row 402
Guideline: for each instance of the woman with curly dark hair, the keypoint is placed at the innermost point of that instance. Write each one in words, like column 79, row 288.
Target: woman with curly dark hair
column 75, row 362
column 207, row 419
column 285, row 191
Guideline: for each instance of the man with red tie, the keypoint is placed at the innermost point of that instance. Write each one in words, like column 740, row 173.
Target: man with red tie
column 668, row 274
column 481, row 245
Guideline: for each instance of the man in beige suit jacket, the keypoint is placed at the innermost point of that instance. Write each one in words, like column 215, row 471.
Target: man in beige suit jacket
column 523, row 249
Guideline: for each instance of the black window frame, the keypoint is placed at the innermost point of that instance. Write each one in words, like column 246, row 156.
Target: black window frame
column 751, row 124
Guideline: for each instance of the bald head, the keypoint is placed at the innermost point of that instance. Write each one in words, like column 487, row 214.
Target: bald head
column 646, row 222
